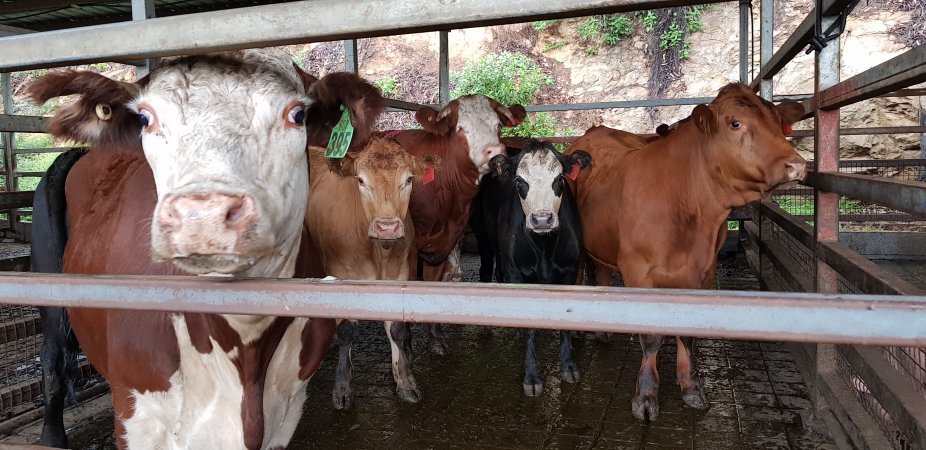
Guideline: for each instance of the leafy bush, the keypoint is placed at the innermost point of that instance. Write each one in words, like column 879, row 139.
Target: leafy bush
column 554, row 46
column 591, row 28
column 508, row 78
column 648, row 21
column 542, row 25
column 389, row 86
column 617, row 27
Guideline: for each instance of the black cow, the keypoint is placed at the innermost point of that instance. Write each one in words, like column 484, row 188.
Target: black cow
column 59, row 345
column 530, row 221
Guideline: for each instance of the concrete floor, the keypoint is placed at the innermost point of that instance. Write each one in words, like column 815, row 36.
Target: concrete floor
column 472, row 398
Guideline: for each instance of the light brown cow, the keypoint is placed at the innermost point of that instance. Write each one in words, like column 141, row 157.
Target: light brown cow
column 656, row 211
column 358, row 217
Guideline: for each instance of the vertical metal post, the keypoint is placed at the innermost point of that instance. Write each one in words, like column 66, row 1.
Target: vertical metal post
column 9, row 140
column 444, row 61
column 922, row 173
column 745, row 37
column 351, row 64
column 766, row 43
column 826, row 204
column 141, row 10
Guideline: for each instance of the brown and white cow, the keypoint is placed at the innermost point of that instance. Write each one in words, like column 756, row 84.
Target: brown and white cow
column 656, row 211
column 204, row 171
column 464, row 135
column 358, row 217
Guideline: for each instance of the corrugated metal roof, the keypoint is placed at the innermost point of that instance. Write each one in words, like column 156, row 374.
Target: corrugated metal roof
column 47, row 15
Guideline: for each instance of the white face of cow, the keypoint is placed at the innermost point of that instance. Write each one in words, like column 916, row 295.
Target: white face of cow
column 225, row 139
column 480, row 124
column 539, row 181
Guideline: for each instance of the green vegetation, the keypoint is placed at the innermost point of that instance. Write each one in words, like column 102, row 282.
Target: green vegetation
column 542, row 25
column 33, row 162
column 389, row 86
column 101, row 67
column 803, row 206
column 509, row 78
column 554, row 46
column 608, row 30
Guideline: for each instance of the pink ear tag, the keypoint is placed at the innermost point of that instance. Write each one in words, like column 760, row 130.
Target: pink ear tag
column 786, row 128
column 428, row 175
column 574, row 173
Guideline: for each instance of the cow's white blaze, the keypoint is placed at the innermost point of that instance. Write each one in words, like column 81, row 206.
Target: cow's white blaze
column 540, row 170
column 223, row 128
column 480, row 124
column 202, row 408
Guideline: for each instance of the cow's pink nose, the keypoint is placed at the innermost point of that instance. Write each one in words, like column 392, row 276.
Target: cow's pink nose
column 796, row 170
column 387, row 229
column 204, row 224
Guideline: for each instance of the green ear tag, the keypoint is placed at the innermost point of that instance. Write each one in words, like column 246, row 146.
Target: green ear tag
column 341, row 134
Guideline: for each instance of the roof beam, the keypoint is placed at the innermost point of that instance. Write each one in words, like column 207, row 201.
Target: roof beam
column 284, row 24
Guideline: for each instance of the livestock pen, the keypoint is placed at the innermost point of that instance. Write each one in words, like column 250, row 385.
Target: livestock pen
column 857, row 328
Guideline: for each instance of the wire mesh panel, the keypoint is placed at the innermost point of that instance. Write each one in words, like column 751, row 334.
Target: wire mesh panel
column 871, row 404
column 911, row 362
column 20, row 372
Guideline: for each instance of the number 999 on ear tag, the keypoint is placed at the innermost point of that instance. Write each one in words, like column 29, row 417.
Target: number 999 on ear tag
column 341, row 135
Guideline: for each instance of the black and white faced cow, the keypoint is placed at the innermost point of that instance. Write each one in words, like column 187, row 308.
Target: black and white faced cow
column 533, row 230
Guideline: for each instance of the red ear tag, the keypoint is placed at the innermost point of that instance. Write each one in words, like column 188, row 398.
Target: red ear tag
column 428, row 175
column 786, row 128
column 574, row 173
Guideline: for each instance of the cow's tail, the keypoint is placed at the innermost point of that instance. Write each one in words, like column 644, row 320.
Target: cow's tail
column 343, row 88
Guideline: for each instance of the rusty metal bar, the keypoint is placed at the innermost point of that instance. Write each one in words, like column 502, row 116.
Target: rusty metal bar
column 868, row 319
column 902, row 195
column 13, row 200
column 903, row 70
column 866, row 131
column 905, row 405
column 766, row 43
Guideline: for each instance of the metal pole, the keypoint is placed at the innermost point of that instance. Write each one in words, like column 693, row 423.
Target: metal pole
column 351, row 64
column 921, row 176
column 444, row 61
column 745, row 36
column 826, row 204
column 142, row 10
column 766, row 43
column 9, row 160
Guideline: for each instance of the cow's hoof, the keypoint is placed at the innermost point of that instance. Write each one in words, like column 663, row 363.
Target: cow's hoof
column 570, row 373
column 408, row 395
column 342, row 397
column 694, row 397
column 438, row 347
column 533, row 385
column 643, row 406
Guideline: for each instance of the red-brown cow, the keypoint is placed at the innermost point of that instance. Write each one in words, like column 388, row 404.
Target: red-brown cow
column 225, row 173
column 464, row 135
column 656, row 211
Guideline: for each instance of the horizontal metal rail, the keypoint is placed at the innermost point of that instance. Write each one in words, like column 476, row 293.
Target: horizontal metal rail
column 797, row 41
column 286, row 23
column 866, row 319
column 18, row 199
column 901, row 195
column 33, row 151
column 866, row 131
column 901, row 71
column 23, row 124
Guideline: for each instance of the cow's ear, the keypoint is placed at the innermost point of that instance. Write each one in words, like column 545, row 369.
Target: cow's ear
column 575, row 162
column 511, row 116
column 790, row 111
column 441, row 122
column 307, row 79
column 424, row 167
column 499, row 166
column 99, row 117
column 343, row 167
column 663, row 130
column 704, row 118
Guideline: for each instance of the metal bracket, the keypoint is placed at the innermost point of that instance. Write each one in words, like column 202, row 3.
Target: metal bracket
column 820, row 38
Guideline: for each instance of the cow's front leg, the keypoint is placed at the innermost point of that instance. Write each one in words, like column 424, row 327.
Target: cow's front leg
column 400, row 341
column 687, row 373
column 567, row 366
column 533, row 381
column 646, row 398
column 341, row 395
column 437, row 340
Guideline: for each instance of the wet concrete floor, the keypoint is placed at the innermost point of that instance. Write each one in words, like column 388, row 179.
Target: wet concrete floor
column 472, row 398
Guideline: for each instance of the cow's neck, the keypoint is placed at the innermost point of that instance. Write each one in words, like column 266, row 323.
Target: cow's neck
column 467, row 178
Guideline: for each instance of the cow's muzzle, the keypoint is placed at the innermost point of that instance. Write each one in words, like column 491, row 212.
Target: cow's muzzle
column 796, row 170
column 208, row 232
column 387, row 229
column 542, row 222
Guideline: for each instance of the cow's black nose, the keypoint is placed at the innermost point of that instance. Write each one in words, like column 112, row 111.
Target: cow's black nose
column 542, row 221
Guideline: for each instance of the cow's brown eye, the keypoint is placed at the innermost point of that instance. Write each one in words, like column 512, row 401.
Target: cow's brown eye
column 408, row 181
column 360, row 180
column 735, row 124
